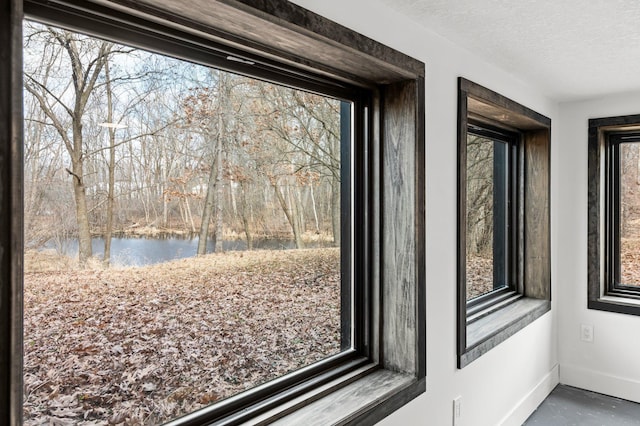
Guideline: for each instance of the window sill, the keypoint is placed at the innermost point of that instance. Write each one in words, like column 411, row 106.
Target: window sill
column 370, row 394
column 490, row 306
column 493, row 329
column 617, row 304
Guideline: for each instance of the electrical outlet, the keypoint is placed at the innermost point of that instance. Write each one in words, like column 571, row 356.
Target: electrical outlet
column 457, row 410
column 586, row 333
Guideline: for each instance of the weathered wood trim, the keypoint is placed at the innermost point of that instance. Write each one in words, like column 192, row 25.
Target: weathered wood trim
column 614, row 306
column 11, row 213
column 537, row 236
column 420, row 231
column 595, row 213
column 533, row 246
column 521, row 217
column 393, row 401
column 144, row 32
column 461, row 240
column 375, row 227
column 315, row 26
column 297, row 36
column 362, row 402
column 623, row 122
column 487, row 103
column 398, row 228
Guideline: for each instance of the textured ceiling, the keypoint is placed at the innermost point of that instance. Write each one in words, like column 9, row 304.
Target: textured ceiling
column 570, row 49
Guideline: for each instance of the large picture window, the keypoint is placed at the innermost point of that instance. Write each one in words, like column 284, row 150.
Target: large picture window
column 167, row 257
column 205, row 219
column 614, row 214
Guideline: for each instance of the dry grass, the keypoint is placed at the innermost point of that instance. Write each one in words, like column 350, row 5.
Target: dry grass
column 49, row 261
column 145, row 345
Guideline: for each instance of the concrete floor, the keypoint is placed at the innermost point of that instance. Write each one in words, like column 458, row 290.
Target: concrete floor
column 569, row 406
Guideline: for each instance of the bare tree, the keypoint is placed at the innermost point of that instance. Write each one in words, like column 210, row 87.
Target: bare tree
column 211, row 113
column 86, row 58
column 216, row 135
column 303, row 130
column 112, row 165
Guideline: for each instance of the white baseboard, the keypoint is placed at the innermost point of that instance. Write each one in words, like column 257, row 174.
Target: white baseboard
column 532, row 400
column 600, row 382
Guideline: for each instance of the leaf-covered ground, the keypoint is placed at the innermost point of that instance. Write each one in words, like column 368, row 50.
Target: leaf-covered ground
column 479, row 276
column 630, row 261
column 145, row 345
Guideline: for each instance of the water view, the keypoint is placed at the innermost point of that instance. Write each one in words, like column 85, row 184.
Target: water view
column 127, row 251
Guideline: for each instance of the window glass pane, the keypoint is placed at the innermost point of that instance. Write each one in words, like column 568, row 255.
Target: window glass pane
column 182, row 231
column 486, row 204
column 629, row 214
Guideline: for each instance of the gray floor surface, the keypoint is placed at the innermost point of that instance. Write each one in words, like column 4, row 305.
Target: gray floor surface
column 569, row 406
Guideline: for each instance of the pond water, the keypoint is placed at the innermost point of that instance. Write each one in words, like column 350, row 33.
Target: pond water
column 147, row 251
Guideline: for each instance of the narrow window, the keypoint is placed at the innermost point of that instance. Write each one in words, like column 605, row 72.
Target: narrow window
column 490, row 202
column 503, row 219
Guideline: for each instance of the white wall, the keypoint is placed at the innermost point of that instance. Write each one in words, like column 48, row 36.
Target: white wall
column 506, row 384
column 611, row 364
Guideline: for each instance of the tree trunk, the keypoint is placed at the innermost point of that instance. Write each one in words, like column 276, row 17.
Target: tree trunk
column 82, row 213
column 315, row 210
column 335, row 210
column 291, row 216
column 165, row 210
column 112, row 164
column 209, row 206
column 187, row 209
column 213, row 204
column 245, row 219
column 165, row 178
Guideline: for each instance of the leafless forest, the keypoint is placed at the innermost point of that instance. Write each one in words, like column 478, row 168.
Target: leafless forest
column 122, row 141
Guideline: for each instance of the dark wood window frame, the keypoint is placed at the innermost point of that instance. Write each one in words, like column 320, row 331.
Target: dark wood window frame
column 484, row 323
column 389, row 366
column 605, row 292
